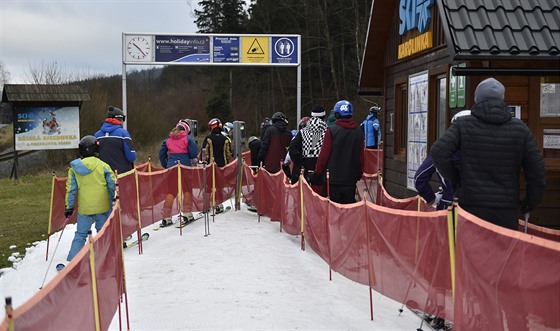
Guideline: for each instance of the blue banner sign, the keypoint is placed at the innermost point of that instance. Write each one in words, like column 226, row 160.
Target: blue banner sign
column 285, row 50
column 182, row 49
column 225, row 49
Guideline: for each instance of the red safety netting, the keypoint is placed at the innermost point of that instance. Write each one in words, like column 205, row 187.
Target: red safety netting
column 506, row 280
column 373, row 161
column 58, row 204
column 68, row 301
column 409, row 254
column 398, row 247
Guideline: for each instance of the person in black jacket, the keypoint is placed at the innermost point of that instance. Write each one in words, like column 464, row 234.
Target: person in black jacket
column 493, row 147
column 216, row 145
column 275, row 142
column 342, row 153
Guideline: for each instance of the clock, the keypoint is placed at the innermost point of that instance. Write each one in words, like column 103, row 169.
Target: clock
column 138, row 48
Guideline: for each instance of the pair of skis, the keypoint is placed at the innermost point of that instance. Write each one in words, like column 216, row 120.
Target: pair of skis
column 145, row 236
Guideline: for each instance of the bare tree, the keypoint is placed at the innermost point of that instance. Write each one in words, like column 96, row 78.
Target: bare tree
column 47, row 73
column 4, row 75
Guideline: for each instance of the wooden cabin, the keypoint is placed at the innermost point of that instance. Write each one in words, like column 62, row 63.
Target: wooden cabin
column 426, row 57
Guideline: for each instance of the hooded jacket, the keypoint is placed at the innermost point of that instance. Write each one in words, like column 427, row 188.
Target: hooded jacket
column 274, row 146
column 115, row 146
column 176, row 148
column 94, row 182
column 493, row 148
column 372, row 131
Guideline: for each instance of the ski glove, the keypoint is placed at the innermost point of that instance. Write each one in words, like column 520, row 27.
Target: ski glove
column 68, row 212
column 438, row 196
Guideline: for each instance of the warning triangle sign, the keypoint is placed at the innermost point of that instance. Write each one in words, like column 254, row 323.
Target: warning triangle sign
column 255, row 48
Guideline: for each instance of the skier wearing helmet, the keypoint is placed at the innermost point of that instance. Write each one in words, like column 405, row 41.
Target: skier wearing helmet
column 342, row 153
column 216, row 145
column 178, row 147
column 90, row 184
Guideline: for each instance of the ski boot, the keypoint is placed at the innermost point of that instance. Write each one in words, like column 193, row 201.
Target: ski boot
column 219, row 209
column 186, row 218
column 166, row 222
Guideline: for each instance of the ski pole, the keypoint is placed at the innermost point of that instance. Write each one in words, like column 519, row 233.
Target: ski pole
column 55, row 248
column 526, row 221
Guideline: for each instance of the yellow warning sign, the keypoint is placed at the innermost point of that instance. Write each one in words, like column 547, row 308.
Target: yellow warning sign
column 254, row 49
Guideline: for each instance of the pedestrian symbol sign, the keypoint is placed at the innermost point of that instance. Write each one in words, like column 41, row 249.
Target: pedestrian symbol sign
column 254, row 49
column 285, row 50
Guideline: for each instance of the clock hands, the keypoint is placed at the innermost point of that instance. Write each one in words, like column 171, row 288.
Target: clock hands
column 139, row 49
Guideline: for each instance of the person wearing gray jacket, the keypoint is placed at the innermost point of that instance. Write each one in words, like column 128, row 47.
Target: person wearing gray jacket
column 494, row 147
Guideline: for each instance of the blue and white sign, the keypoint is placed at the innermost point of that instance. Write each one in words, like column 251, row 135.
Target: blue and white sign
column 285, row 50
column 39, row 128
column 182, row 49
column 415, row 14
column 225, row 49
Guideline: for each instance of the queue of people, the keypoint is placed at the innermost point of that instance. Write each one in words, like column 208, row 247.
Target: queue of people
column 478, row 159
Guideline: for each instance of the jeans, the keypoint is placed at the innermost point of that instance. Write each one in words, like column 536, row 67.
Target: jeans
column 82, row 227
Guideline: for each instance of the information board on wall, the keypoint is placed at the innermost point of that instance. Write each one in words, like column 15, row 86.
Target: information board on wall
column 417, row 144
column 39, row 128
column 224, row 49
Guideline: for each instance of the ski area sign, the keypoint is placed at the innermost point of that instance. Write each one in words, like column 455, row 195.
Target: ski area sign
column 214, row 49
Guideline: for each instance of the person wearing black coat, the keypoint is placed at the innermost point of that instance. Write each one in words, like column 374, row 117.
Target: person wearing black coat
column 275, row 142
column 494, row 147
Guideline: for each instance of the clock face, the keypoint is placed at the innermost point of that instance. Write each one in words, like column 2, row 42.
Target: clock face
column 138, row 48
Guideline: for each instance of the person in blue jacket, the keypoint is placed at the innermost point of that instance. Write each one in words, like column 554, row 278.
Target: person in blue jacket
column 91, row 184
column 370, row 126
column 179, row 146
column 115, row 143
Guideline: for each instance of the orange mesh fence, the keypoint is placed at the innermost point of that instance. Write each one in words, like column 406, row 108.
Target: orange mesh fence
column 506, row 280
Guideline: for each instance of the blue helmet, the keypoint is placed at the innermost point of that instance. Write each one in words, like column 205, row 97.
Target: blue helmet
column 344, row 108
column 294, row 132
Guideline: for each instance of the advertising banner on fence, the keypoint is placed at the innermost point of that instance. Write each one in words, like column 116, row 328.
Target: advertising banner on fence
column 38, row 128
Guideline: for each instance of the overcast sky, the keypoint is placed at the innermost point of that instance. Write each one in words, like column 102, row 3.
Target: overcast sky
column 83, row 37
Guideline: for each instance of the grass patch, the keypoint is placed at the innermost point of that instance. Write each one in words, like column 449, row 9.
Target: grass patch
column 25, row 213
column 26, row 205
column 6, row 137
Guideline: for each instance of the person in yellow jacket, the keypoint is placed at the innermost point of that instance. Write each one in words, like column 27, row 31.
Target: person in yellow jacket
column 94, row 183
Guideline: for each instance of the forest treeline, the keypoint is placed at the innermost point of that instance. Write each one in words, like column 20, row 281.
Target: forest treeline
column 333, row 35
